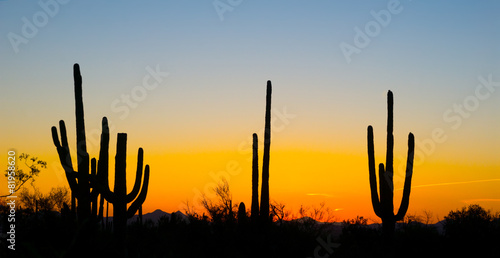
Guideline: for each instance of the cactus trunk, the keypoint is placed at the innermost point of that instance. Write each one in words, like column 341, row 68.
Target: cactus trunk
column 107, row 216
column 255, row 180
column 383, row 206
column 140, row 215
column 119, row 204
column 103, row 165
column 83, row 208
column 264, row 201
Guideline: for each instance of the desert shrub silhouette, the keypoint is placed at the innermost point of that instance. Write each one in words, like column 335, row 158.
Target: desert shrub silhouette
column 473, row 230
column 469, row 223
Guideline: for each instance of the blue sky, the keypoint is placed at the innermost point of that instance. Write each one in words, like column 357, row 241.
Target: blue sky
column 430, row 54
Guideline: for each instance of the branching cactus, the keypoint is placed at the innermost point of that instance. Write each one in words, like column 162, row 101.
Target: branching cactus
column 383, row 206
column 264, row 201
column 86, row 187
column 79, row 181
column 119, row 197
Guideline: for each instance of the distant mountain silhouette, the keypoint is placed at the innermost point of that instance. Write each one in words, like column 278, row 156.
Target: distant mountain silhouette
column 157, row 214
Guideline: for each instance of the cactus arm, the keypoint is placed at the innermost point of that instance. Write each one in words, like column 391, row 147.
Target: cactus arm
column 64, row 155
column 409, row 173
column 138, row 176
column 142, row 196
column 94, row 193
column 385, row 194
column 372, row 172
column 103, row 164
column 93, row 172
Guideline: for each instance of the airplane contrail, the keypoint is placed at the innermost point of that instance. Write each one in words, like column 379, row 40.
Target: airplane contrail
column 455, row 183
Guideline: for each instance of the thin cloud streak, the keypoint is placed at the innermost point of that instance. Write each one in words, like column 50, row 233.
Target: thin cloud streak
column 454, row 183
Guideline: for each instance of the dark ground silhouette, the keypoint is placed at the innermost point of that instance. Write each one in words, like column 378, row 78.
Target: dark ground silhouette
column 469, row 231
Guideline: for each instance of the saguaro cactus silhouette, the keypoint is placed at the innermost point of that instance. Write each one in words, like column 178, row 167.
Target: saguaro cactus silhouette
column 119, row 198
column 242, row 214
column 255, row 180
column 264, row 201
column 383, row 206
column 86, row 186
column 79, row 182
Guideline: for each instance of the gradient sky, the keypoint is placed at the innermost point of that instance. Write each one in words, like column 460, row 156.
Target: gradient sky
column 199, row 120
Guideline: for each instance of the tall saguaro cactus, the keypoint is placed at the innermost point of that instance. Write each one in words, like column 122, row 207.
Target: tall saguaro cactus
column 78, row 181
column 87, row 187
column 383, row 206
column 255, row 179
column 264, row 201
column 119, row 197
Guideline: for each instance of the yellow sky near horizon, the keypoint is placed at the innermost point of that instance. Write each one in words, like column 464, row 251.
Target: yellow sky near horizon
column 299, row 177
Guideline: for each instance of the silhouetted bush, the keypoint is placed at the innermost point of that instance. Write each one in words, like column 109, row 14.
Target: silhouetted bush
column 358, row 239
column 472, row 230
column 469, row 222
